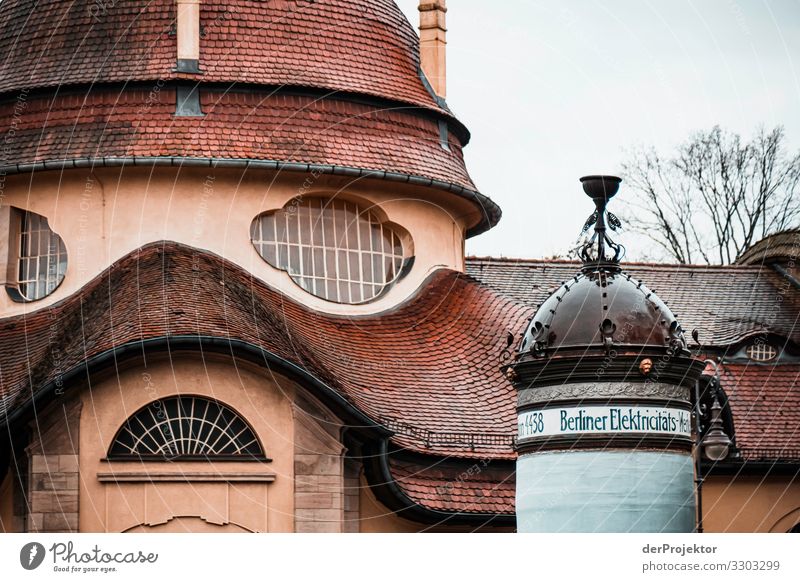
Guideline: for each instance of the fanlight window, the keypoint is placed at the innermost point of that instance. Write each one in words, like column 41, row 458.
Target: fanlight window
column 331, row 248
column 42, row 257
column 185, row 427
column 761, row 352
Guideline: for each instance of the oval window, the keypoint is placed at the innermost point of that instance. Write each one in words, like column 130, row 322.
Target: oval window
column 332, row 248
column 40, row 256
column 762, row 352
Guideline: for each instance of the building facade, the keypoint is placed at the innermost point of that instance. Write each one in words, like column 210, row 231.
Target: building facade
column 236, row 296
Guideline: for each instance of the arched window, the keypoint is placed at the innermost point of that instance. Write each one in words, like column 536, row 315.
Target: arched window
column 185, row 427
column 332, row 248
column 37, row 255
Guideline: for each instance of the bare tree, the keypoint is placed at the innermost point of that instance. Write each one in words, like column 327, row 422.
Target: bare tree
column 716, row 195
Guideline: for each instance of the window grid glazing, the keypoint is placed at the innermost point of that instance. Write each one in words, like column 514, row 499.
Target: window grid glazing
column 331, row 248
column 185, row 427
column 42, row 257
column 761, row 352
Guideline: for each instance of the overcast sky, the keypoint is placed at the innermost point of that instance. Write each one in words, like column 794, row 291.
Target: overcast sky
column 553, row 90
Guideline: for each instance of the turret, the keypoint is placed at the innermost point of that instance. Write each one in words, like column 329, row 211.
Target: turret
column 604, row 382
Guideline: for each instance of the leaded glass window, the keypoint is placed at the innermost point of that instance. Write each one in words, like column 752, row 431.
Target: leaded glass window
column 185, row 427
column 761, row 352
column 42, row 257
column 331, row 248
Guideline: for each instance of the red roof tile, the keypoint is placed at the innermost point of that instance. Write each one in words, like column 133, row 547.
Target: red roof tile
column 765, row 403
column 456, row 486
column 779, row 247
column 357, row 46
column 432, row 363
column 254, row 126
column 429, row 369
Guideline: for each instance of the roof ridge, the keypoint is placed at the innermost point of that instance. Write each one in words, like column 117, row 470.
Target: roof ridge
column 543, row 261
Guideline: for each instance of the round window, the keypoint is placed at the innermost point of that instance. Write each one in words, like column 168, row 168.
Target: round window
column 332, row 248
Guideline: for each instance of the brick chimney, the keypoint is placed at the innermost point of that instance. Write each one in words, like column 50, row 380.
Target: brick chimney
column 433, row 43
column 188, row 31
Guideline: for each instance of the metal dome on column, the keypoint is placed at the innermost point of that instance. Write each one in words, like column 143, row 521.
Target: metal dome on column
column 604, row 416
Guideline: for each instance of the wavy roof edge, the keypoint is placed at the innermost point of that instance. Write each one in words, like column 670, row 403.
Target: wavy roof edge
column 774, row 248
column 294, row 339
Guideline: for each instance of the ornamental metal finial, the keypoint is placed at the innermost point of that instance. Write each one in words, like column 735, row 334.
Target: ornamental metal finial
column 601, row 189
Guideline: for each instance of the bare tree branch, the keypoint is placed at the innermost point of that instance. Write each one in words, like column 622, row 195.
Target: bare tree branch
column 716, row 195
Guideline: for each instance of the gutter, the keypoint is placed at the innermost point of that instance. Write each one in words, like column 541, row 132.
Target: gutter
column 357, row 420
column 490, row 212
column 388, row 492
column 786, row 275
column 376, row 466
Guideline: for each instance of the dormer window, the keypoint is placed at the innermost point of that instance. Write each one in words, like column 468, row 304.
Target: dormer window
column 333, row 248
column 37, row 257
column 761, row 352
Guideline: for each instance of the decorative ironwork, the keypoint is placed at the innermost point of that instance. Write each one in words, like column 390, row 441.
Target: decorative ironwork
column 614, row 223
column 601, row 189
column 537, row 338
column 505, row 355
column 185, row 426
column 607, row 330
column 677, row 341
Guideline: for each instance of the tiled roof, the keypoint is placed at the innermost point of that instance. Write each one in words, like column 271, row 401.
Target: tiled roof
column 360, row 46
column 252, row 125
column 429, row 369
column 456, row 487
column 725, row 304
column 433, row 363
column 765, row 403
column 780, row 246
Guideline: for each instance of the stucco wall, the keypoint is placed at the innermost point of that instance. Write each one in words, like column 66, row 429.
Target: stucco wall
column 264, row 401
column 7, row 521
column 751, row 504
column 106, row 214
column 377, row 518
